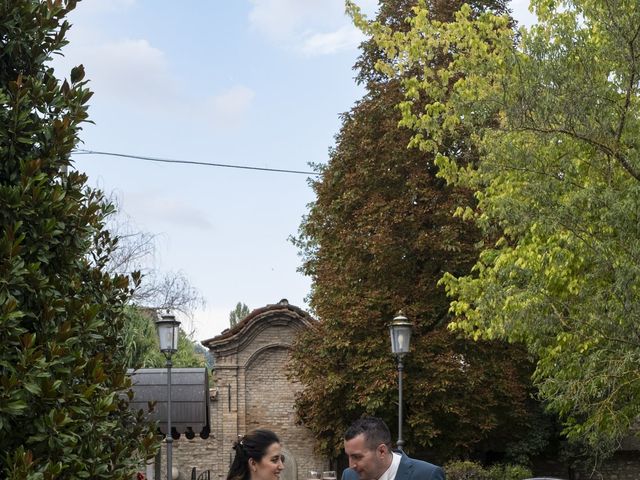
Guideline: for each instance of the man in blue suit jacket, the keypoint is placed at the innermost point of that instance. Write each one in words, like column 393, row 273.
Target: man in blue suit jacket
column 367, row 443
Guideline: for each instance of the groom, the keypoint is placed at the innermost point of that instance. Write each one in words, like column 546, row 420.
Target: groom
column 367, row 443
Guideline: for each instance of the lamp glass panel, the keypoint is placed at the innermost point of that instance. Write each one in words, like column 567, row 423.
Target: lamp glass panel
column 165, row 333
column 175, row 332
column 400, row 338
column 168, row 335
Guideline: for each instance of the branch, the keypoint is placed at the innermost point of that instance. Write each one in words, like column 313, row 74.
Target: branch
column 600, row 146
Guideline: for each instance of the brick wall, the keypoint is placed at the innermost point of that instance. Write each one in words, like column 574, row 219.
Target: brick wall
column 252, row 390
column 269, row 401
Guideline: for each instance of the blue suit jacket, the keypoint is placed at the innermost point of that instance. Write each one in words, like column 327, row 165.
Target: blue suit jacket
column 409, row 469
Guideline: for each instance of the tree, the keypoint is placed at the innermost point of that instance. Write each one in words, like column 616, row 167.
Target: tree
column 379, row 237
column 155, row 291
column 207, row 355
column 143, row 348
column 63, row 404
column 158, row 290
column 558, row 179
column 237, row 314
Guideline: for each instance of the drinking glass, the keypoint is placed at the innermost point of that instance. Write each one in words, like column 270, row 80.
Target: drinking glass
column 329, row 475
column 314, row 475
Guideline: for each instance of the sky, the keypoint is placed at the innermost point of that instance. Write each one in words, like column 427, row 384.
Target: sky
column 258, row 83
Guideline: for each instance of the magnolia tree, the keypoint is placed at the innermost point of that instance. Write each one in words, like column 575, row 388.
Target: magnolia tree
column 63, row 403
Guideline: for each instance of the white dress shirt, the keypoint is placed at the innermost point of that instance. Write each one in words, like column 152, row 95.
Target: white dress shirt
column 390, row 473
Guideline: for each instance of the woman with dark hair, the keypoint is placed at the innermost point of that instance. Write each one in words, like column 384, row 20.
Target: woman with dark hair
column 258, row 457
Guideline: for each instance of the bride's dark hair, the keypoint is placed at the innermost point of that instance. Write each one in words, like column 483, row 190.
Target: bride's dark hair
column 252, row 445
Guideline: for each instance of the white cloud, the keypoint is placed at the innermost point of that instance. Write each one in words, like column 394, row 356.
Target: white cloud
column 281, row 19
column 346, row 37
column 130, row 70
column 312, row 27
column 155, row 207
column 134, row 73
column 229, row 108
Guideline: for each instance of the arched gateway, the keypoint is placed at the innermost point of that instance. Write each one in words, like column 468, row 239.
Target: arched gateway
column 251, row 390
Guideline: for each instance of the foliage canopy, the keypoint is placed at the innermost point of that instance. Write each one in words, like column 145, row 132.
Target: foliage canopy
column 142, row 346
column 63, row 404
column 554, row 112
column 236, row 315
column 379, row 236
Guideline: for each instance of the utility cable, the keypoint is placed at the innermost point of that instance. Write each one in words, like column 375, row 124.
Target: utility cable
column 191, row 162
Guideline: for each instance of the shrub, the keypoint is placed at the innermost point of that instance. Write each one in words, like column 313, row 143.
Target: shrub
column 509, row 472
column 465, row 470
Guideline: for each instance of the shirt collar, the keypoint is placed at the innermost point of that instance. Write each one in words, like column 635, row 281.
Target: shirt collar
column 390, row 473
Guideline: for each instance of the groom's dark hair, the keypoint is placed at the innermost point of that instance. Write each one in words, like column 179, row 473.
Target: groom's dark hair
column 374, row 429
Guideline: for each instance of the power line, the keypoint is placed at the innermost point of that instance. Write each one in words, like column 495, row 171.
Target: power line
column 190, row 162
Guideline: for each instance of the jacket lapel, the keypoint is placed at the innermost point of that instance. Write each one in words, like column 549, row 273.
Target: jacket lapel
column 405, row 469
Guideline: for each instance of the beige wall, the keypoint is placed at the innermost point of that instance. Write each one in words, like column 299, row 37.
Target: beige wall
column 252, row 390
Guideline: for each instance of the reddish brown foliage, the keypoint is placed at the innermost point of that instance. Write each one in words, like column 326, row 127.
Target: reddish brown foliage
column 378, row 238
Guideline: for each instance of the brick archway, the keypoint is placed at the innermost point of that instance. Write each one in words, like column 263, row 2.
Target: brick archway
column 252, row 388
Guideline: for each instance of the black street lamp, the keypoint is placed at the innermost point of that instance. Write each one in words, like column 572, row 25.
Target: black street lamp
column 400, row 332
column 168, row 332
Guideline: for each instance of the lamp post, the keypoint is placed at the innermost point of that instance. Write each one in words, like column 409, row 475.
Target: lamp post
column 400, row 332
column 168, row 331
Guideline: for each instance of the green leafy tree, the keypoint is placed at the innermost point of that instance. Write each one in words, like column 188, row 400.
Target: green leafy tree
column 63, row 404
column 554, row 112
column 156, row 291
column 379, row 236
column 143, row 347
column 237, row 314
column 140, row 339
column 207, row 355
column 188, row 354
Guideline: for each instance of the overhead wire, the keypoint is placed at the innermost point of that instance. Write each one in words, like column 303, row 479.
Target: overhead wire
column 190, row 162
